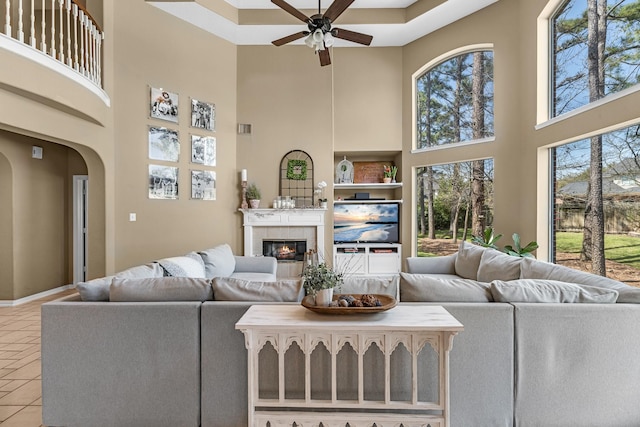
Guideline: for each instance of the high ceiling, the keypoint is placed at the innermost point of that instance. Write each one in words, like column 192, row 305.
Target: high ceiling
column 258, row 22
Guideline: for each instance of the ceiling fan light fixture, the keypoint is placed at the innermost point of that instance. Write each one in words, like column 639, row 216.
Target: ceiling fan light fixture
column 318, row 36
column 309, row 41
column 329, row 40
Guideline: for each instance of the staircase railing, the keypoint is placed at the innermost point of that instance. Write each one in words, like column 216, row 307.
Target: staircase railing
column 62, row 29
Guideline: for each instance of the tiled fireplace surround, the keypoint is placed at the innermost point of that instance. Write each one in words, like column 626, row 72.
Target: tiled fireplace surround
column 283, row 224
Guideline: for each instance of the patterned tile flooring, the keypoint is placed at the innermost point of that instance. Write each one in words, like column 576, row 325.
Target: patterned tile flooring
column 20, row 370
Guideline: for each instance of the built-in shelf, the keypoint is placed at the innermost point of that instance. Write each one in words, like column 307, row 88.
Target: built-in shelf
column 368, row 186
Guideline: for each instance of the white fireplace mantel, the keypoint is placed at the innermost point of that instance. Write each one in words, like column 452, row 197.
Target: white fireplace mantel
column 308, row 217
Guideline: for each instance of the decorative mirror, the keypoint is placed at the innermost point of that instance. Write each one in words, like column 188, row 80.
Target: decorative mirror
column 296, row 178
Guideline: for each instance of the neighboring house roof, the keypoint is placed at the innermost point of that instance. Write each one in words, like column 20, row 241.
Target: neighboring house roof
column 609, row 187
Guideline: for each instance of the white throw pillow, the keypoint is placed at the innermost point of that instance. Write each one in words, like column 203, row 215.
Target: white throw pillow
column 468, row 260
column 535, row 269
column 496, row 265
column 426, row 288
column 549, row 291
column 218, row 261
column 183, row 266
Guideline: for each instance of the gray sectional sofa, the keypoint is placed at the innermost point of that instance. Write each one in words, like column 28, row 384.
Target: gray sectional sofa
column 182, row 363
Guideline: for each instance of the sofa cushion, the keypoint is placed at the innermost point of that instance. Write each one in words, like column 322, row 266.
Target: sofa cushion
column 387, row 285
column 253, row 276
column 468, row 260
column 549, row 291
column 98, row 289
column 161, row 289
column 630, row 295
column 218, row 261
column 496, row 265
column 190, row 265
column 230, row 289
column 535, row 269
column 432, row 265
column 426, row 288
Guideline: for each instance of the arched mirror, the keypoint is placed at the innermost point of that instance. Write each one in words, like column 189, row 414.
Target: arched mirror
column 296, row 178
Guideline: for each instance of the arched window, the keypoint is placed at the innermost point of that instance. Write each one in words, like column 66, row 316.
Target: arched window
column 454, row 100
column 595, row 48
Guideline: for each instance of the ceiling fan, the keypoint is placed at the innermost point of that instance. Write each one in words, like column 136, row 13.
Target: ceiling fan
column 320, row 35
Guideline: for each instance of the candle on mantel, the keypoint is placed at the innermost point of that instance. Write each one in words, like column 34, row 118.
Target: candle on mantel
column 243, row 175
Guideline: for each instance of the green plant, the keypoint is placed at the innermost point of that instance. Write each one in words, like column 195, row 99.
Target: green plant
column 390, row 171
column 517, row 250
column 487, row 239
column 253, row 192
column 321, row 276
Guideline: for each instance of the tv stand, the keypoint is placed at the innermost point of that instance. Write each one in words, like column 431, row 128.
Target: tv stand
column 368, row 259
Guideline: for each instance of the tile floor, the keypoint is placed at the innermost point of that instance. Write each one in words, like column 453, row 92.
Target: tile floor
column 20, row 370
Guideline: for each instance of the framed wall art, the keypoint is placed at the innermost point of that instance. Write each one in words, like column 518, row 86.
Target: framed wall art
column 203, row 185
column 164, row 144
column 163, row 182
column 203, row 115
column 163, row 105
column 203, row 150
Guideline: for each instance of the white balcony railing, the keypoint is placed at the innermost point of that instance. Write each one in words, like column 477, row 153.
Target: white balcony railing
column 62, row 29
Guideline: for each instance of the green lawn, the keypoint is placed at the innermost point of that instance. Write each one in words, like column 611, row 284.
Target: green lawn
column 618, row 247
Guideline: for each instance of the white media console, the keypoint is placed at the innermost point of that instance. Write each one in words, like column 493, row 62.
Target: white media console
column 368, row 259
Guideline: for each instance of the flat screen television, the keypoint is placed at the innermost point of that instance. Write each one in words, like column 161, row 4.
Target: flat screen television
column 366, row 223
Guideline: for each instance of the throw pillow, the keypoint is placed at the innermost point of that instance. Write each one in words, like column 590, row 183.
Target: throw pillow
column 468, row 260
column 496, row 265
column 161, row 289
column 230, row 289
column 425, row 288
column 218, row 261
column 549, row 291
column 98, row 289
column 535, row 269
column 183, row 266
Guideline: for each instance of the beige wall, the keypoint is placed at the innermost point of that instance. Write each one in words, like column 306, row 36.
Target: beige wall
column 287, row 97
column 152, row 48
column 6, row 229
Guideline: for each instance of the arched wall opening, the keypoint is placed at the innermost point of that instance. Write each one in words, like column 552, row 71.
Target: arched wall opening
column 37, row 214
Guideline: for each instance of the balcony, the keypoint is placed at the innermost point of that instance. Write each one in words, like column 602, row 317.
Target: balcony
column 53, row 49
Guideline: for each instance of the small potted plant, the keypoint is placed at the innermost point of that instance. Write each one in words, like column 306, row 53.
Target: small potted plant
column 390, row 174
column 322, row 201
column 319, row 281
column 253, row 196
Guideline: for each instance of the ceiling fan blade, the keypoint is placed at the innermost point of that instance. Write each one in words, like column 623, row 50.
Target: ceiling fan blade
column 290, row 38
column 325, row 58
column 352, row 36
column 336, row 9
column 292, row 10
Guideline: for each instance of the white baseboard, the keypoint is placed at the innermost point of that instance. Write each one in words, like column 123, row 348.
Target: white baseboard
column 11, row 303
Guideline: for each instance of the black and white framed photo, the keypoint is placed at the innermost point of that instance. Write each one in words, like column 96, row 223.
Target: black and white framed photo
column 203, row 115
column 164, row 144
column 203, row 185
column 163, row 105
column 203, row 150
column 163, row 182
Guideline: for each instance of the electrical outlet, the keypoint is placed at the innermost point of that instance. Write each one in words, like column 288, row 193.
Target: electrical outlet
column 132, row 217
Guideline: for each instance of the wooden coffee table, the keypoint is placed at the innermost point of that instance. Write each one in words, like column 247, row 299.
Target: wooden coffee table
column 416, row 327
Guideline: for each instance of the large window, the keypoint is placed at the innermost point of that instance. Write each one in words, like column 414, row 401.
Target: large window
column 596, row 51
column 453, row 201
column 606, row 214
column 455, row 100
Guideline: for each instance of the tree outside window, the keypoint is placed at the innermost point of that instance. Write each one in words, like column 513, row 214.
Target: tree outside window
column 596, row 52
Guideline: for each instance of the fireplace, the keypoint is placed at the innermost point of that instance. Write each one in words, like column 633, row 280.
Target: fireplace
column 285, row 250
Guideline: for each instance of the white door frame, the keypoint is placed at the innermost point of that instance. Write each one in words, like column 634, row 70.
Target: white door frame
column 80, row 224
